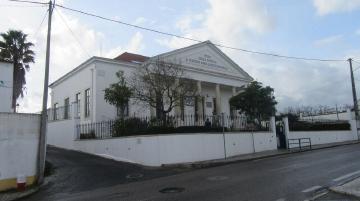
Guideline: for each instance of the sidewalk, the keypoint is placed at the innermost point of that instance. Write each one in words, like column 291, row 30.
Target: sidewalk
column 256, row 156
column 351, row 188
column 15, row 195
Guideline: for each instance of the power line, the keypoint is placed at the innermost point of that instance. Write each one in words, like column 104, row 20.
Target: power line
column 72, row 33
column 33, row 2
column 186, row 38
column 192, row 39
column 19, row 6
column 356, row 61
column 39, row 27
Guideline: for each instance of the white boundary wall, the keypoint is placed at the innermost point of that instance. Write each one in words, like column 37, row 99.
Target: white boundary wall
column 324, row 137
column 19, row 141
column 155, row 150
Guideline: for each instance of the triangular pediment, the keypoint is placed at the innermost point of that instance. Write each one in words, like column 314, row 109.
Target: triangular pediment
column 206, row 57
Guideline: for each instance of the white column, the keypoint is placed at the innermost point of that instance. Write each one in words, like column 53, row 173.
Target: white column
column 218, row 99
column 286, row 130
column 234, row 91
column 199, row 101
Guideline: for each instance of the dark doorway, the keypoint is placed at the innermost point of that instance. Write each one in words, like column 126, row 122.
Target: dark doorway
column 280, row 134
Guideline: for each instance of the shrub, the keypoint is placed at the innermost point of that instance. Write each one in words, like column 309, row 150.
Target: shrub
column 89, row 135
column 136, row 126
column 318, row 126
column 130, row 126
column 198, row 129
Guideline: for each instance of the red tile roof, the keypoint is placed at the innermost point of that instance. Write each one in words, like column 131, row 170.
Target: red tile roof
column 130, row 57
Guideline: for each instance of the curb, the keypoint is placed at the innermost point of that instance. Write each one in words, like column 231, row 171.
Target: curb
column 214, row 163
column 337, row 189
column 19, row 195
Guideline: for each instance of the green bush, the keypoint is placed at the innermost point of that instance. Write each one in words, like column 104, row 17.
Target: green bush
column 136, row 126
column 198, row 129
column 130, row 126
column 89, row 135
column 318, row 126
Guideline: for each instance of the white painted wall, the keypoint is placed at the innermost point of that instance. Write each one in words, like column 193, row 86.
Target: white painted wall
column 156, row 150
column 323, row 137
column 6, row 77
column 19, row 140
column 77, row 83
column 61, row 133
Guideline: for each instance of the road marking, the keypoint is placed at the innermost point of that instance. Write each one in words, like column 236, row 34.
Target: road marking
column 347, row 176
column 311, row 189
column 280, row 199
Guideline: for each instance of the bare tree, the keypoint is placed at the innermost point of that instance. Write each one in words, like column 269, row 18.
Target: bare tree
column 162, row 85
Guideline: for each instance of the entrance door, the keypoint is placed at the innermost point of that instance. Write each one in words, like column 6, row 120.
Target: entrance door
column 280, row 135
column 209, row 105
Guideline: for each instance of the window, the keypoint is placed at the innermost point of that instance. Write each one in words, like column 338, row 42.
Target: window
column 77, row 101
column 87, row 102
column 214, row 108
column 66, row 108
column 55, row 111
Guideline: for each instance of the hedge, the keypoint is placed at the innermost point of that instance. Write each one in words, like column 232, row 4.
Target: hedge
column 318, row 126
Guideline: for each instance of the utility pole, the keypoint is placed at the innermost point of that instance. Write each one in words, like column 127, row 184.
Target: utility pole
column 356, row 109
column 43, row 124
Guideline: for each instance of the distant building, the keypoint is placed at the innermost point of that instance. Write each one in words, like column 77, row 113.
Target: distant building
column 6, row 86
column 82, row 89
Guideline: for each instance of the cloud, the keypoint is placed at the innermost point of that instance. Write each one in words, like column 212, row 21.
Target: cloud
column 328, row 40
column 227, row 21
column 166, row 8
column 144, row 21
column 240, row 24
column 135, row 45
column 324, row 7
column 68, row 49
column 357, row 32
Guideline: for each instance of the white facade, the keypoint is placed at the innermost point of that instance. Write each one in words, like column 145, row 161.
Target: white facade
column 218, row 78
column 6, row 86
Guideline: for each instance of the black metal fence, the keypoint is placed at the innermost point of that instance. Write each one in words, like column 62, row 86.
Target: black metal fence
column 170, row 124
column 299, row 144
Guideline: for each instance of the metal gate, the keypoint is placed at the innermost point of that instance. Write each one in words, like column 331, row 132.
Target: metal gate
column 280, row 135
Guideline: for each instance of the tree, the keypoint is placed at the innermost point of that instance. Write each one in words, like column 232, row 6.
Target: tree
column 15, row 48
column 118, row 94
column 162, row 85
column 256, row 102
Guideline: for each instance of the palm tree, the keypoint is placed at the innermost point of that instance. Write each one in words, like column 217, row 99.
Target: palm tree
column 15, row 48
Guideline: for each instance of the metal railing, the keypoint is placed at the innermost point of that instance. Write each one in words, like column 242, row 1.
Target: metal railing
column 171, row 124
column 299, row 144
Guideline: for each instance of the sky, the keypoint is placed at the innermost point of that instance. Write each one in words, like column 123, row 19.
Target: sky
column 326, row 29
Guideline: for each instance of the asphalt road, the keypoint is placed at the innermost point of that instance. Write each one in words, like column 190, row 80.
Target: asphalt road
column 291, row 177
column 75, row 172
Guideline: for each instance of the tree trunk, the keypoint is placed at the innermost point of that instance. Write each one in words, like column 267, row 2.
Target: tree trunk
column 13, row 101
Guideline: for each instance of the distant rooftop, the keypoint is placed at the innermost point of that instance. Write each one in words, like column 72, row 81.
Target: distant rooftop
column 130, row 57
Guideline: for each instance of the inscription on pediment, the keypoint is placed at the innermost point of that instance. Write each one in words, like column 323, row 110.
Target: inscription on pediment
column 205, row 60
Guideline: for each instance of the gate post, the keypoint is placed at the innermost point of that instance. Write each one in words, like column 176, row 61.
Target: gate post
column 286, row 130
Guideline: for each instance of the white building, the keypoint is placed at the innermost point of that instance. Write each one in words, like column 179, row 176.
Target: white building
column 218, row 79
column 6, row 86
